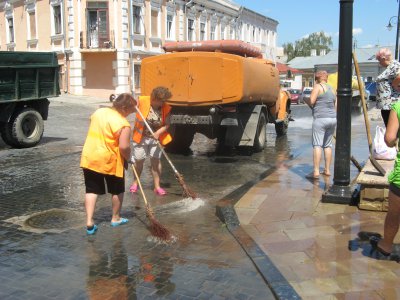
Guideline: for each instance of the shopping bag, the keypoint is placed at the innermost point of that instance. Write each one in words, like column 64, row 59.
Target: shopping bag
column 381, row 150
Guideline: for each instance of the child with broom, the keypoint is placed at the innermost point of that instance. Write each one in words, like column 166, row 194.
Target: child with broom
column 106, row 150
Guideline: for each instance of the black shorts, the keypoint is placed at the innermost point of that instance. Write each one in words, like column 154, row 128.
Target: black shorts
column 394, row 189
column 94, row 183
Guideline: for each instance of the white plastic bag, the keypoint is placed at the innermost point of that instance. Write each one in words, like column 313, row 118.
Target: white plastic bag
column 381, row 150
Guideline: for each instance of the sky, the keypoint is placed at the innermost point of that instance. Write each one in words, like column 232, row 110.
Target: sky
column 298, row 18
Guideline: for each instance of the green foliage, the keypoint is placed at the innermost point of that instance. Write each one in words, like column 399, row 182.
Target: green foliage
column 317, row 40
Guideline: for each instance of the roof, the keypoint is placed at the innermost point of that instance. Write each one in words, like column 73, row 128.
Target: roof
column 282, row 68
column 364, row 55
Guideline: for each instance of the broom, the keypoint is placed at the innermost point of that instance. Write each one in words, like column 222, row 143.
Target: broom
column 156, row 228
column 186, row 190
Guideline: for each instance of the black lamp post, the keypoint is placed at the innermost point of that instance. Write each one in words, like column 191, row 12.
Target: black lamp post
column 390, row 26
column 341, row 191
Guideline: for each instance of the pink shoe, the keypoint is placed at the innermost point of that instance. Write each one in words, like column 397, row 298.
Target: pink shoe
column 133, row 188
column 160, row 192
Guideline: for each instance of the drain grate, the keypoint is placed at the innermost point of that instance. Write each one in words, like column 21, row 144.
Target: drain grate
column 52, row 220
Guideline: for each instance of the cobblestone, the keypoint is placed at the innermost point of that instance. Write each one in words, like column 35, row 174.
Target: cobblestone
column 205, row 263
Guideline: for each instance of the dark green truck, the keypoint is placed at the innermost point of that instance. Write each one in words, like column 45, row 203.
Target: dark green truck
column 27, row 79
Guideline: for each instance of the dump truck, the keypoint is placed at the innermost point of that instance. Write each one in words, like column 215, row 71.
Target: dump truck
column 27, row 80
column 221, row 89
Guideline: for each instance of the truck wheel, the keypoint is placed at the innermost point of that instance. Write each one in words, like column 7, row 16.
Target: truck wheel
column 6, row 134
column 182, row 139
column 27, row 128
column 261, row 134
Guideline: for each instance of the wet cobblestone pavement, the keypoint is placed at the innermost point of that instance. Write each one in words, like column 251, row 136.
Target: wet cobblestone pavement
column 54, row 259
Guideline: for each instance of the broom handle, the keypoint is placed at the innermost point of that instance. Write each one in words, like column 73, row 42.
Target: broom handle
column 364, row 105
column 140, row 185
column 158, row 143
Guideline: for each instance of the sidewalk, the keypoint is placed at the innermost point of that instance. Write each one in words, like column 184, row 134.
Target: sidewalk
column 308, row 241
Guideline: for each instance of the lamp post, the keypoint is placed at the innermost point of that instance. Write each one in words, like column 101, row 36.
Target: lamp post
column 390, row 26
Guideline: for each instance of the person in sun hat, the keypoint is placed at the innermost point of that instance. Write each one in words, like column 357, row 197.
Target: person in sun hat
column 156, row 113
column 105, row 152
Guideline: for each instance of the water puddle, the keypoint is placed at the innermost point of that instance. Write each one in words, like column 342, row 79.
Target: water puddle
column 182, row 206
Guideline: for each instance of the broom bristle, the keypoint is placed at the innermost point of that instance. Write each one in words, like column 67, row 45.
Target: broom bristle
column 188, row 192
column 156, row 228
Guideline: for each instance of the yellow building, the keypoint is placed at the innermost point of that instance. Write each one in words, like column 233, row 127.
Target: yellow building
column 100, row 44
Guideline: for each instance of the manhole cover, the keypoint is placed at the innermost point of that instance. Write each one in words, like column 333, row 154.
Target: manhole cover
column 54, row 219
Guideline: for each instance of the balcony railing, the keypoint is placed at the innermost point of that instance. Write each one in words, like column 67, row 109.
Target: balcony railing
column 96, row 40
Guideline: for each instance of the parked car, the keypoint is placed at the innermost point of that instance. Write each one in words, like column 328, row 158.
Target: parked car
column 305, row 95
column 294, row 96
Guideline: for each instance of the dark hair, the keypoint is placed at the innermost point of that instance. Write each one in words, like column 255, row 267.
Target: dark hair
column 124, row 102
column 161, row 93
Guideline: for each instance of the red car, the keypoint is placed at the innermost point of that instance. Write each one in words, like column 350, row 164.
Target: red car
column 294, row 96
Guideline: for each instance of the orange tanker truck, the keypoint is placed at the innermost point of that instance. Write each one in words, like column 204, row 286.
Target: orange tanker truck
column 222, row 89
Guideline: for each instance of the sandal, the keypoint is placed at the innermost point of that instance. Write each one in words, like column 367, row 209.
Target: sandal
column 133, row 188
column 92, row 230
column 373, row 240
column 121, row 221
column 160, row 192
column 366, row 235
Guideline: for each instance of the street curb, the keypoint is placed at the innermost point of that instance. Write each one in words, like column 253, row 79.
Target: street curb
column 225, row 211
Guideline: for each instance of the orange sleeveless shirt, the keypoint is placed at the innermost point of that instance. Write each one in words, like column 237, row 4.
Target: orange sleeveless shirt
column 144, row 106
column 101, row 149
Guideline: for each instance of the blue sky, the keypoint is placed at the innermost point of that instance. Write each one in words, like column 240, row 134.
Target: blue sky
column 298, row 18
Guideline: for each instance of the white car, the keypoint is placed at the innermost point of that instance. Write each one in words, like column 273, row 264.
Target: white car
column 305, row 95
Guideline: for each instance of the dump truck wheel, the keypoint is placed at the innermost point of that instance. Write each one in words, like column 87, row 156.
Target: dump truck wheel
column 6, row 134
column 182, row 139
column 261, row 134
column 27, row 128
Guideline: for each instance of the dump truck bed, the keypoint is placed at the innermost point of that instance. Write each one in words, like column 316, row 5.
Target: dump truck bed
column 210, row 78
column 28, row 75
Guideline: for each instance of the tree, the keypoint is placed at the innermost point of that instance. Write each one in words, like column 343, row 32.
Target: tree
column 317, row 40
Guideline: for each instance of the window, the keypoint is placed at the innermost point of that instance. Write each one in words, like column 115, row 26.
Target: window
column 222, row 32
column 136, row 72
column 202, row 31
column 170, row 22
column 97, row 25
column 10, row 22
column 212, row 32
column 136, row 19
column 190, row 34
column 154, row 23
column 32, row 25
column 57, row 19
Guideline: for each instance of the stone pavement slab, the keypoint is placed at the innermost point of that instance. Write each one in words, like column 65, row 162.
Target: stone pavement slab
column 314, row 245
